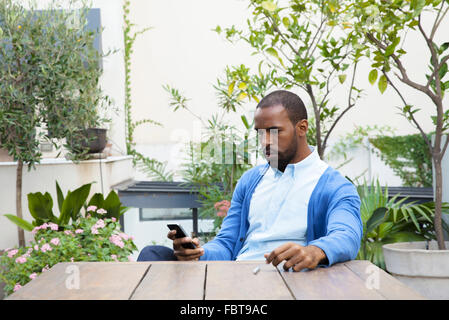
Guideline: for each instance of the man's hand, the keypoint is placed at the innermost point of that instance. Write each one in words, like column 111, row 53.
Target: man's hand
column 296, row 256
column 182, row 253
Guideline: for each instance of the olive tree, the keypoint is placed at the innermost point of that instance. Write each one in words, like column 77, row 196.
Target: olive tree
column 49, row 74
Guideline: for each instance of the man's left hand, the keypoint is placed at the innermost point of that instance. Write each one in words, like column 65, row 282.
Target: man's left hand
column 296, row 256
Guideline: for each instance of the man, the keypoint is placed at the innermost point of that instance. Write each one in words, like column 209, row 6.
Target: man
column 294, row 209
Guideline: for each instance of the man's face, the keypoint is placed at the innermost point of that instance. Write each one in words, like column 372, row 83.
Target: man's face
column 277, row 135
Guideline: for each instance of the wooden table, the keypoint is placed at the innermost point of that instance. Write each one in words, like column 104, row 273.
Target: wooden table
column 212, row 280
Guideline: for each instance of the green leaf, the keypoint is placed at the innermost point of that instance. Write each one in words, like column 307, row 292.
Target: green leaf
column 112, row 205
column 379, row 216
column 286, row 22
column 25, row 225
column 60, row 196
column 383, row 82
column 41, row 206
column 342, row 78
column 269, row 6
column 245, row 122
column 443, row 70
column 231, row 87
column 372, row 77
column 272, row 52
column 73, row 203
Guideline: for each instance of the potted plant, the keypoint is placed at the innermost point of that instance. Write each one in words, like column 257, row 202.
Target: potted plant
column 49, row 75
column 384, row 26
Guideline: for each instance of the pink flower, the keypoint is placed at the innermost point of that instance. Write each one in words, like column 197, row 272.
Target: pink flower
column 68, row 232
column 33, row 276
column 124, row 236
column 100, row 224
column 53, row 226
column 101, row 211
column 72, row 259
column 55, row 241
column 17, row 287
column 94, row 230
column 46, row 247
column 130, row 259
column 113, row 219
column 222, row 208
column 46, row 268
column 91, row 208
column 21, row 260
column 115, row 239
column 12, row 253
column 36, row 247
column 114, row 257
column 78, row 231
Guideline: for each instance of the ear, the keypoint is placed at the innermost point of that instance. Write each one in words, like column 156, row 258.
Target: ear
column 301, row 127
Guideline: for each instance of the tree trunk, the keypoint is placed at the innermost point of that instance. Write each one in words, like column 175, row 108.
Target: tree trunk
column 21, row 233
column 438, row 203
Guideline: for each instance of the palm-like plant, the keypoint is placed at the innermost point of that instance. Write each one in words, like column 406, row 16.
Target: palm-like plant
column 392, row 220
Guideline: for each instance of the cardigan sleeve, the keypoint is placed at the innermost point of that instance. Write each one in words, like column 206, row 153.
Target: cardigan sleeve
column 344, row 226
column 221, row 247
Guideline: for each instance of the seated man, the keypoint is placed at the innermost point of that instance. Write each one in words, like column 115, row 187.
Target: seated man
column 294, row 209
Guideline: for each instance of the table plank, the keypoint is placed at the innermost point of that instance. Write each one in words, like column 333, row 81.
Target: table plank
column 388, row 286
column 334, row 283
column 172, row 281
column 97, row 281
column 236, row 281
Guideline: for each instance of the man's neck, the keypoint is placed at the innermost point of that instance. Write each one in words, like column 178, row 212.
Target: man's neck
column 303, row 152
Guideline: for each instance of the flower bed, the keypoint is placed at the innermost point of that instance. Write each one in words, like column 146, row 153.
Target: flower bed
column 88, row 239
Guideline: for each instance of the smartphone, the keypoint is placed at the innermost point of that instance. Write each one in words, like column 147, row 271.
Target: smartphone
column 180, row 233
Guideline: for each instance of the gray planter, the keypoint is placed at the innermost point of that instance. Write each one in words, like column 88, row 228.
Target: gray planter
column 426, row 271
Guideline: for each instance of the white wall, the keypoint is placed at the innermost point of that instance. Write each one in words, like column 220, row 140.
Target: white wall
column 181, row 50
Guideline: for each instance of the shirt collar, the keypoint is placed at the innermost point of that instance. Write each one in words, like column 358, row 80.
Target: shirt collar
column 293, row 169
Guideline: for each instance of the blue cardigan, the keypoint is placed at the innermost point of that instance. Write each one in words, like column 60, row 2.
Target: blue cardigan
column 333, row 221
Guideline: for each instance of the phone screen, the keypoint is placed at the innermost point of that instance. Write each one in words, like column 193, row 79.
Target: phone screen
column 180, row 233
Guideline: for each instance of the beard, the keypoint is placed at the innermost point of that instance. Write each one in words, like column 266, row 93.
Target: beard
column 280, row 159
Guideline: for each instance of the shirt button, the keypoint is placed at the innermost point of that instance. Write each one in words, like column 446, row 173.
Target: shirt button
column 241, row 239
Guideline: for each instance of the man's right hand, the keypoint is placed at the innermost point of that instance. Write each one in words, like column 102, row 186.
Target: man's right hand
column 182, row 253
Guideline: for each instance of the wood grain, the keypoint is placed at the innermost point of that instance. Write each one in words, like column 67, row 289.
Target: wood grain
column 172, row 281
column 97, row 281
column 334, row 283
column 236, row 281
column 385, row 284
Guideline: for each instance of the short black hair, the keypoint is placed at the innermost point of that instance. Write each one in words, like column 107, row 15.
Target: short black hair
column 290, row 101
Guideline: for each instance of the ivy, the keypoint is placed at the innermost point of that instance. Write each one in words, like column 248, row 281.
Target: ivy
column 152, row 167
column 408, row 156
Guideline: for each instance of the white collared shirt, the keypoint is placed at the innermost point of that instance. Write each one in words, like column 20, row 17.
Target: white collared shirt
column 278, row 208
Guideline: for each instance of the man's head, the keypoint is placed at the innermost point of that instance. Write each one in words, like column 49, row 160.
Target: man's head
column 281, row 122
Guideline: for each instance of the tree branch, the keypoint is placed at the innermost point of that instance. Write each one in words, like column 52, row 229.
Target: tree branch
column 426, row 139
column 437, row 22
column 350, row 105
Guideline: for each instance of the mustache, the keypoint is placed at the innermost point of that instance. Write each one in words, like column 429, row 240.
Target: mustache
column 270, row 150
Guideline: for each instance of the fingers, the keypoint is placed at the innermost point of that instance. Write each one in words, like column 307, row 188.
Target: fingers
column 188, row 254
column 178, row 242
column 276, row 252
column 285, row 255
column 171, row 234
